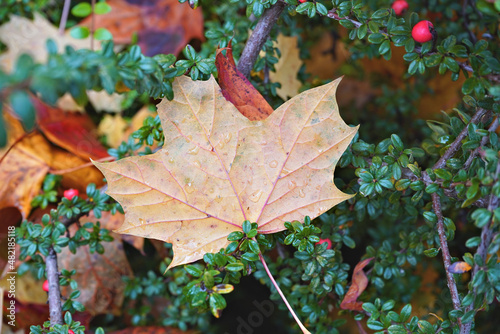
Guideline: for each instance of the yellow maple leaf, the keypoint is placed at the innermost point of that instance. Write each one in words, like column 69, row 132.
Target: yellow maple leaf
column 287, row 67
column 218, row 169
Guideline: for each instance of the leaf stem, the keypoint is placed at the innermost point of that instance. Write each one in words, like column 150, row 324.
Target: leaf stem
column 304, row 330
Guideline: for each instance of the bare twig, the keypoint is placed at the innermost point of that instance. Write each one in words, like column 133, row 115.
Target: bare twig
column 465, row 5
column 482, row 250
column 64, row 17
column 55, row 307
column 92, row 26
column 457, row 143
column 259, row 37
column 452, row 286
column 493, row 127
column 463, row 65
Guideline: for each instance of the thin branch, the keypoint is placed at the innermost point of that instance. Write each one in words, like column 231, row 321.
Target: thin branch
column 55, row 307
column 457, row 143
column 493, row 127
column 64, row 17
column 463, row 65
column 92, row 26
column 259, row 37
column 452, row 286
column 465, row 22
column 482, row 250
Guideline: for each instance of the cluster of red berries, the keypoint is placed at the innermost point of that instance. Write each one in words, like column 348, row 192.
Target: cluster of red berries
column 423, row 31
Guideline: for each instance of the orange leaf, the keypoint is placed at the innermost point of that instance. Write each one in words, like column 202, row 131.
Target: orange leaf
column 71, row 131
column 218, row 168
column 99, row 276
column 238, row 90
column 358, row 285
column 459, row 267
column 162, row 26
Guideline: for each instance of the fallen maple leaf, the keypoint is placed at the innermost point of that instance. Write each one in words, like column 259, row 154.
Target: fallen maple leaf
column 238, row 90
column 29, row 157
column 99, row 276
column 287, row 67
column 71, row 131
column 22, row 35
column 217, row 169
column 358, row 285
column 162, row 26
column 113, row 127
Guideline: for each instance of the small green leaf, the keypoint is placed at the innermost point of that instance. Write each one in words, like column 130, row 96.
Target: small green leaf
column 83, row 9
column 102, row 34
column 102, row 8
column 80, row 32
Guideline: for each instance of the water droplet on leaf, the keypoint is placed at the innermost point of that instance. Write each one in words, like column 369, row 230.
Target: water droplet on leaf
column 194, row 150
column 255, row 196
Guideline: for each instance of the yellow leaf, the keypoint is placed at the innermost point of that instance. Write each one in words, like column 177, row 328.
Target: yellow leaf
column 287, row 67
column 217, row 169
column 21, row 35
column 113, row 127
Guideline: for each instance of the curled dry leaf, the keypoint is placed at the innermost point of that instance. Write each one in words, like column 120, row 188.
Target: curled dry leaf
column 358, row 285
column 218, row 168
column 162, row 26
column 238, row 90
column 31, row 157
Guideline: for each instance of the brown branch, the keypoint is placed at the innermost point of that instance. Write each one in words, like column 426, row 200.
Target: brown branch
column 493, row 127
column 452, row 286
column 55, row 307
column 457, row 143
column 482, row 250
column 463, row 65
column 259, row 37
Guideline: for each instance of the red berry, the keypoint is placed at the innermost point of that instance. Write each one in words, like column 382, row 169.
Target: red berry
column 423, row 32
column 70, row 193
column 302, row 1
column 400, row 6
column 328, row 241
column 70, row 331
column 45, row 286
